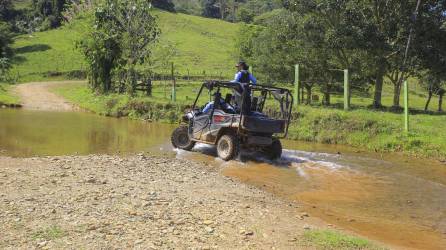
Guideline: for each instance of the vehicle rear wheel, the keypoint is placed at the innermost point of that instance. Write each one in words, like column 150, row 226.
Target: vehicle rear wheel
column 273, row 151
column 180, row 139
column 228, row 147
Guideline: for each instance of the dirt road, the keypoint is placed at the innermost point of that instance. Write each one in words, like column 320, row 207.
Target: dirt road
column 139, row 201
column 36, row 96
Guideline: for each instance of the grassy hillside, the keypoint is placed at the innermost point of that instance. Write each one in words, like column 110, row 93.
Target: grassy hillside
column 201, row 45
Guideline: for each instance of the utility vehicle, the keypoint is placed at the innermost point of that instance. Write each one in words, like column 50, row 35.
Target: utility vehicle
column 252, row 117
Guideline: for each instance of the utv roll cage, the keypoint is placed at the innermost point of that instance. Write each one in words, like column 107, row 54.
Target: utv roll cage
column 282, row 95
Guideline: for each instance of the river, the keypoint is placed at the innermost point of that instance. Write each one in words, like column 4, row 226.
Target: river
column 387, row 197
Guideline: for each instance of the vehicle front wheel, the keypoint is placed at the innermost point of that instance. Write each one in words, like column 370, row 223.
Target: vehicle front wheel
column 228, row 147
column 180, row 139
column 273, row 151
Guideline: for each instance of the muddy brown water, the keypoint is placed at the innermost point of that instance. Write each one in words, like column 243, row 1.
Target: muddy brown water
column 398, row 200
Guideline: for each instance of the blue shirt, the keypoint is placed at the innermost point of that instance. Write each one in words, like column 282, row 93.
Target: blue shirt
column 210, row 106
column 238, row 77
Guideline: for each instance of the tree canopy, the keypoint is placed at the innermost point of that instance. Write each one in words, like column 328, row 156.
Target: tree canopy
column 6, row 52
column 122, row 38
column 367, row 37
column 164, row 5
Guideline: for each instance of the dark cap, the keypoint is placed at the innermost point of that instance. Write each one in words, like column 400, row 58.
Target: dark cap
column 241, row 63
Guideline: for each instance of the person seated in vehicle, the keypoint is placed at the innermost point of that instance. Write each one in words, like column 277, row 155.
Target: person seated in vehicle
column 223, row 104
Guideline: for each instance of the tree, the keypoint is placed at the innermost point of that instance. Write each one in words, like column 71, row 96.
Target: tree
column 291, row 38
column 139, row 31
column 6, row 10
column 51, row 11
column 164, row 5
column 379, row 29
column 245, row 15
column 211, row 9
column 121, row 39
column 6, row 52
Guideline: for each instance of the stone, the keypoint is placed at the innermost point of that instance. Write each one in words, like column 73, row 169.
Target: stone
column 208, row 222
column 42, row 243
column 209, row 230
column 249, row 233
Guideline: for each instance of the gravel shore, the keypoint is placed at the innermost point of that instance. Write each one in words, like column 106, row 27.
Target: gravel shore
column 145, row 202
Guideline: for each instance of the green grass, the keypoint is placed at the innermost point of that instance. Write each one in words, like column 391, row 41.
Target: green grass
column 329, row 239
column 22, row 4
column 201, row 45
column 49, row 233
column 6, row 97
column 372, row 130
column 140, row 107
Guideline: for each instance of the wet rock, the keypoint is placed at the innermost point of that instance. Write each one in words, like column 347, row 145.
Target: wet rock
column 42, row 243
column 249, row 233
column 209, row 230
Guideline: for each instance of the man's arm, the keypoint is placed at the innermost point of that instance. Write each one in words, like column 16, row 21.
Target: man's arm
column 252, row 79
column 208, row 107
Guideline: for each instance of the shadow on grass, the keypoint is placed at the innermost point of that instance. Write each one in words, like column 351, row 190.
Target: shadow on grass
column 19, row 58
column 32, row 48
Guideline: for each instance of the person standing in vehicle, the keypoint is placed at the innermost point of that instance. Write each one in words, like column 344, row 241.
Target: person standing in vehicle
column 244, row 77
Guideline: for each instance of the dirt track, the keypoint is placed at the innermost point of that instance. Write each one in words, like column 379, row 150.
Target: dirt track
column 139, row 202
column 36, row 96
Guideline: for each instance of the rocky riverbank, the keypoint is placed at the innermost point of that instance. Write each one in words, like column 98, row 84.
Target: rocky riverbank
column 142, row 202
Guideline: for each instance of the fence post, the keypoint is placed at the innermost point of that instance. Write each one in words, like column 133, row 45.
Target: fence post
column 406, row 107
column 174, row 91
column 296, row 85
column 346, row 91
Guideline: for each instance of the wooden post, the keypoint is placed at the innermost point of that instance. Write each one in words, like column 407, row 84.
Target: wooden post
column 149, row 87
column 296, row 86
column 406, row 107
column 346, row 91
column 174, row 93
column 163, row 78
